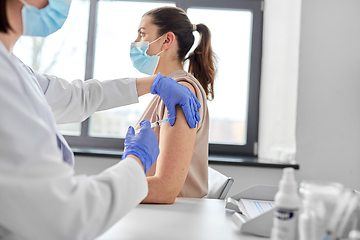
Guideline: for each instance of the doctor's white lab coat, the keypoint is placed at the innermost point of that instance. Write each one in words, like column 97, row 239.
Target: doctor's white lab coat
column 40, row 197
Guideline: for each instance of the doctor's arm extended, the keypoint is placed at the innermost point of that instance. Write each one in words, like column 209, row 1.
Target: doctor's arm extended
column 76, row 101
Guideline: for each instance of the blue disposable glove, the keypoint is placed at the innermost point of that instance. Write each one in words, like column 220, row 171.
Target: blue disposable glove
column 172, row 94
column 145, row 145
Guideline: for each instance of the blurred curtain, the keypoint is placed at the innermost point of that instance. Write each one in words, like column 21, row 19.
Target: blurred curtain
column 279, row 81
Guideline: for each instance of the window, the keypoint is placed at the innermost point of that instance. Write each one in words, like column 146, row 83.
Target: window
column 236, row 38
column 232, row 47
column 102, row 31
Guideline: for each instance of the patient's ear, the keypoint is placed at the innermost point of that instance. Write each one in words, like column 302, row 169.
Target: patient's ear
column 168, row 41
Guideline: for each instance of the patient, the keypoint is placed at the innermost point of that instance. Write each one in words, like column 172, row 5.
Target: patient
column 181, row 169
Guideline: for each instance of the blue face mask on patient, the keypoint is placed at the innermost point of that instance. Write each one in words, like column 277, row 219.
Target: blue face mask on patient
column 45, row 21
column 141, row 61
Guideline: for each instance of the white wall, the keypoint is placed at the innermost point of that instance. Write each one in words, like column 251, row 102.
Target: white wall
column 93, row 165
column 328, row 111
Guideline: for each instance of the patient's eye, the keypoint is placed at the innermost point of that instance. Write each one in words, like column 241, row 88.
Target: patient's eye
column 141, row 34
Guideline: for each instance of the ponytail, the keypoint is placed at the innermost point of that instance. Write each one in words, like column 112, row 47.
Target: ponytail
column 202, row 61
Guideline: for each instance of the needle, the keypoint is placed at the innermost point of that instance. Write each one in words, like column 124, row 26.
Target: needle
column 155, row 124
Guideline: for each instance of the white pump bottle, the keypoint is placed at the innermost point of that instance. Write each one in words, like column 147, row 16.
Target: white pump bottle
column 287, row 206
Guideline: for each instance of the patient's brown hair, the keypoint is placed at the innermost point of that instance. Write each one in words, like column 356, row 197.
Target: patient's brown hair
column 4, row 23
column 202, row 60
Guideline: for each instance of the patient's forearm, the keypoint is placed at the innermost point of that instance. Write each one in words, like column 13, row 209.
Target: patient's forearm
column 161, row 191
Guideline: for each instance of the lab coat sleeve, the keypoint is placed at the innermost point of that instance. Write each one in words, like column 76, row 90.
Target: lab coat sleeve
column 77, row 100
column 58, row 205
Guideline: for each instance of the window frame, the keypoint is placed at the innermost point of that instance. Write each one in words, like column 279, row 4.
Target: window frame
column 85, row 141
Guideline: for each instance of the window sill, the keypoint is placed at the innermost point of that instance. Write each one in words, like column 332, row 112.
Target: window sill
column 249, row 161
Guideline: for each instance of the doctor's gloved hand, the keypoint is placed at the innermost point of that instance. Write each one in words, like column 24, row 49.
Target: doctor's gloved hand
column 145, row 145
column 173, row 93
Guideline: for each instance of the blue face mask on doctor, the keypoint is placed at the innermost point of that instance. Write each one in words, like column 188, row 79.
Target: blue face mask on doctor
column 140, row 60
column 45, row 21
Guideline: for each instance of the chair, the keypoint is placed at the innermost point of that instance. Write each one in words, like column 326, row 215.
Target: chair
column 218, row 184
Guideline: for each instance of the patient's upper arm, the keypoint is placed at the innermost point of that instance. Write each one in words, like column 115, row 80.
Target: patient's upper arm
column 176, row 148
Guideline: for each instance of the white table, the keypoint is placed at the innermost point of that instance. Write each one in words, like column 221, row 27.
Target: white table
column 187, row 218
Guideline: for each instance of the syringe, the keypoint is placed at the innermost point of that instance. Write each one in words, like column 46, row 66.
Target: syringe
column 154, row 124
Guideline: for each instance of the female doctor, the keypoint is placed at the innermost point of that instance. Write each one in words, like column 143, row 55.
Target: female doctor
column 40, row 198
